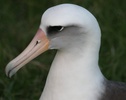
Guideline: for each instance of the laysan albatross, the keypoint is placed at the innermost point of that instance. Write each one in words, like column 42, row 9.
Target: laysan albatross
column 75, row 73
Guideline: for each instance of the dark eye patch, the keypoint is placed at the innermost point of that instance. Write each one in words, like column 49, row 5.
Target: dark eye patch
column 54, row 29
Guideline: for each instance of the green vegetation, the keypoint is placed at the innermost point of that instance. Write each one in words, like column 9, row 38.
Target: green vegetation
column 19, row 21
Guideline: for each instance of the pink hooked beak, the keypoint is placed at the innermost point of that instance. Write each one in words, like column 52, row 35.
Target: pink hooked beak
column 38, row 45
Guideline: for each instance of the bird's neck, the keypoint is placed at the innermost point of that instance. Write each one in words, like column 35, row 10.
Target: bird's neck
column 74, row 75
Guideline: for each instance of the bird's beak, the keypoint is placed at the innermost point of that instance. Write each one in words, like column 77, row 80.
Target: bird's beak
column 38, row 45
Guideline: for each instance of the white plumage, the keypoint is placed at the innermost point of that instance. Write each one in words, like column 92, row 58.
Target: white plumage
column 74, row 74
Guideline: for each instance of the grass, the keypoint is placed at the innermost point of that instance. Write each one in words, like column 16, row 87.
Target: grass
column 19, row 21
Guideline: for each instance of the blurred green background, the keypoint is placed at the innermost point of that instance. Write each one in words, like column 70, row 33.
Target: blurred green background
column 19, row 21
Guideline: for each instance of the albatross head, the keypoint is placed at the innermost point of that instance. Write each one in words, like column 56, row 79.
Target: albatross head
column 62, row 27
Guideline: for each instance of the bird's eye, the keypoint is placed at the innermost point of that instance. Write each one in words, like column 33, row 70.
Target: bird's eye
column 60, row 28
column 53, row 29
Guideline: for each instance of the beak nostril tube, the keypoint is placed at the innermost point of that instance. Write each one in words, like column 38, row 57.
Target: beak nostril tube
column 38, row 41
